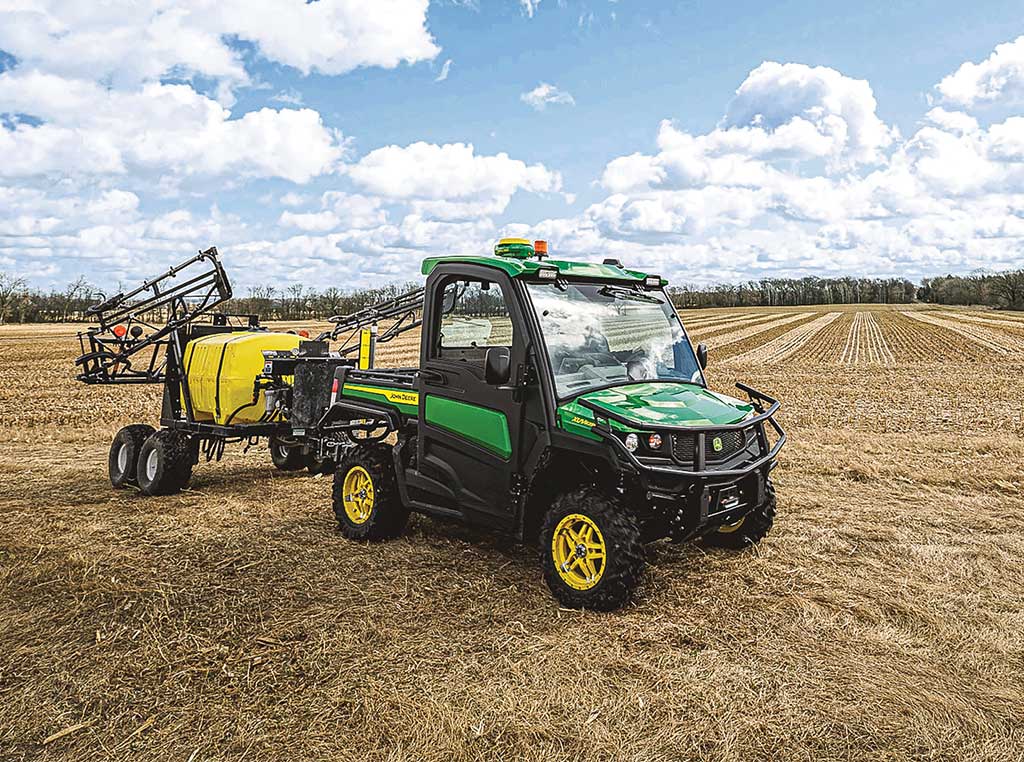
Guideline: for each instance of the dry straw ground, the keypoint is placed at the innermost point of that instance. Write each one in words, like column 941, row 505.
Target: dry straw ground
column 882, row 619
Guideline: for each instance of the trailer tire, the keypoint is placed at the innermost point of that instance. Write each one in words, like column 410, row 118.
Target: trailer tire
column 287, row 457
column 591, row 550
column 366, row 500
column 749, row 530
column 124, row 454
column 165, row 463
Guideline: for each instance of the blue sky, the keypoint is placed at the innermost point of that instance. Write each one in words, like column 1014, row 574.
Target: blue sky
column 320, row 143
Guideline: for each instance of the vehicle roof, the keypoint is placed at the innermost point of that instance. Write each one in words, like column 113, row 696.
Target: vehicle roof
column 516, row 268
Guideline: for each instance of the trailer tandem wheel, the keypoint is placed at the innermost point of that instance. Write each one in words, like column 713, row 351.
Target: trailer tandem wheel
column 124, row 453
column 165, row 462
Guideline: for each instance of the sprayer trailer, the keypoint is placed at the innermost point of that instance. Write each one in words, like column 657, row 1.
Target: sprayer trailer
column 168, row 332
column 558, row 402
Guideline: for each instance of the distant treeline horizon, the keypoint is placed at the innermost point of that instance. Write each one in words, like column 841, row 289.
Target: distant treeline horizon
column 21, row 304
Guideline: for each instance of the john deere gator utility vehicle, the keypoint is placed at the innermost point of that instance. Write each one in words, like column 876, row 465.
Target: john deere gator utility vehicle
column 559, row 402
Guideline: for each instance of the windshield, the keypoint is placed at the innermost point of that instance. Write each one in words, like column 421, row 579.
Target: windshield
column 598, row 335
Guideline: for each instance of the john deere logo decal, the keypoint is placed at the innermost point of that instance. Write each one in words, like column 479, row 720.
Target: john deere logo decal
column 716, row 444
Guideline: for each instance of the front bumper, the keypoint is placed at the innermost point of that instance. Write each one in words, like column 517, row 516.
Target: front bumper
column 696, row 497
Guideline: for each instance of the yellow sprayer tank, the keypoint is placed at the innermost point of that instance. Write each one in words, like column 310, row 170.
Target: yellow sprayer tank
column 222, row 369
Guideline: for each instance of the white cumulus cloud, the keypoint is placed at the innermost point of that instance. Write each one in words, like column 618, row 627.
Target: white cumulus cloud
column 89, row 129
column 131, row 41
column 1000, row 77
column 801, row 111
column 451, row 180
column 544, row 94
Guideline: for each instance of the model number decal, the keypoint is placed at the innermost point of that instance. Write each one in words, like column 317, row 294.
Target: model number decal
column 583, row 421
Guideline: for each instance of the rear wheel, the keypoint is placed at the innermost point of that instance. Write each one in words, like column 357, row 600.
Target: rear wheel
column 165, row 463
column 286, row 456
column 749, row 530
column 124, row 453
column 591, row 550
column 366, row 500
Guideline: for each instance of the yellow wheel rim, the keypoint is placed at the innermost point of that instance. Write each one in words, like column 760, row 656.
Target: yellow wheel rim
column 730, row 528
column 579, row 551
column 357, row 495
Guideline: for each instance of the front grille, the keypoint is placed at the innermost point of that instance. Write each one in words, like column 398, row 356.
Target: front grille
column 731, row 441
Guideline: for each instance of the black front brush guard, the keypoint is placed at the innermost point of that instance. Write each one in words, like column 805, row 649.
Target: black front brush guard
column 604, row 415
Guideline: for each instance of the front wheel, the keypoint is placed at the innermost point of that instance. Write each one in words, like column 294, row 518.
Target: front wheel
column 749, row 530
column 591, row 551
column 366, row 500
column 319, row 466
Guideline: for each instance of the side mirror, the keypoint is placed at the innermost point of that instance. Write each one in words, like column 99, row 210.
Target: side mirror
column 702, row 355
column 497, row 366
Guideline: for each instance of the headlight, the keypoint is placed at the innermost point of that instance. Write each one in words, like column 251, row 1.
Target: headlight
column 654, row 441
column 632, row 442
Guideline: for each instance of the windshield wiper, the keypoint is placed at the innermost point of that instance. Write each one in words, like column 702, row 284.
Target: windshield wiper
column 617, row 292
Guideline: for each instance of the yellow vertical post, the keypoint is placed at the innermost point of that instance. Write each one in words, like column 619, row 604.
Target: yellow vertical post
column 367, row 347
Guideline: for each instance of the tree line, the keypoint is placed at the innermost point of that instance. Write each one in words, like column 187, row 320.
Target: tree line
column 997, row 290
column 21, row 304
column 791, row 292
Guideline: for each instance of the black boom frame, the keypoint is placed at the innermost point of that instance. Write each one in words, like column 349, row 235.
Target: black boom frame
column 125, row 347
column 140, row 338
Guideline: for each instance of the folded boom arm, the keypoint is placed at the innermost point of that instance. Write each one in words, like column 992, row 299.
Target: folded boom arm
column 137, row 324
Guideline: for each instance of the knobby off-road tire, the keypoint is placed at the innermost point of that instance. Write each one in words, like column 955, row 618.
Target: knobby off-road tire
column 165, row 463
column 577, row 530
column 124, row 453
column 287, row 457
column 317, row 466
column 749, row 530
column 366, row 500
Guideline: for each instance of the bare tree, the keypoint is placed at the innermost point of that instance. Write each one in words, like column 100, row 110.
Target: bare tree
column 11, row 290
column 76, row 291
column 1008, row 289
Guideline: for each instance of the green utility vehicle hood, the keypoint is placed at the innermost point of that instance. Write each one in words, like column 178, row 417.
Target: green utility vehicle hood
column 651, row 405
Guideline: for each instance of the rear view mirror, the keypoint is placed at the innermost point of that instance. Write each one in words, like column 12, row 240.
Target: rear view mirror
column 448, row 301
column 702, row 355
column 497, row 366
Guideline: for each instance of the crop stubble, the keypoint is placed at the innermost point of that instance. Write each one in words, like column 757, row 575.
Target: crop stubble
column 881, row 619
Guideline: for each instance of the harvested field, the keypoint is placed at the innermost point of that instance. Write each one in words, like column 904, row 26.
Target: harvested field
column 709, row 330
column 866, row 343
column 880, row 620
column 993, row 341
column 1013, row 327
column 737, row 339
column 781, row 347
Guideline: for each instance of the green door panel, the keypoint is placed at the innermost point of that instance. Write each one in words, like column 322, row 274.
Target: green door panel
column 480, row 425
